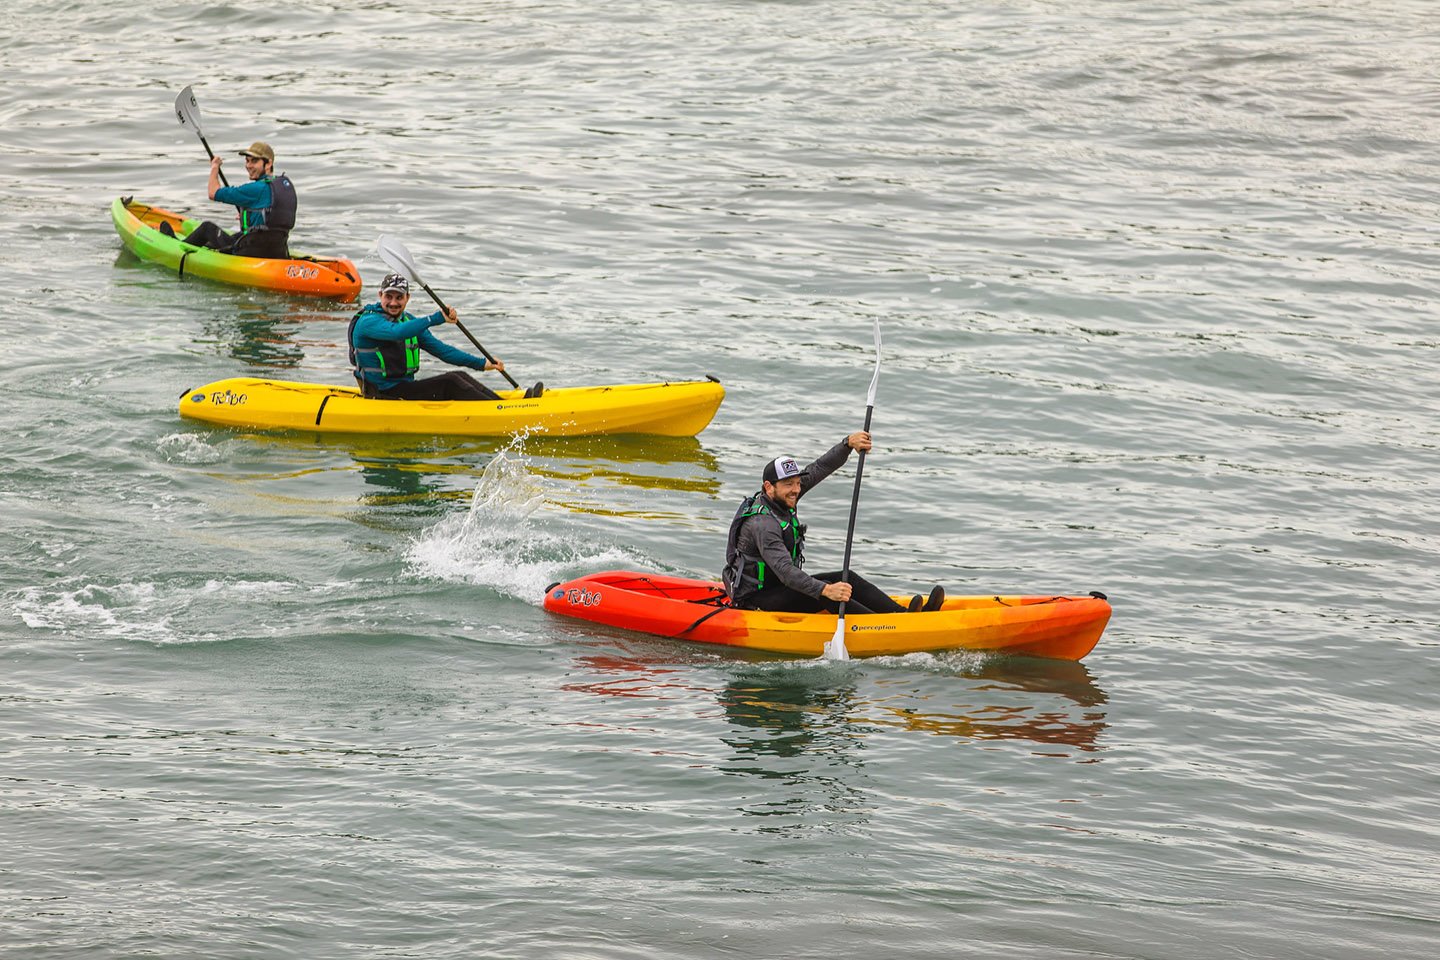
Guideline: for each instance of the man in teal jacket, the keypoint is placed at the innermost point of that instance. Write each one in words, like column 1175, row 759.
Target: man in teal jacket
column 385, row 345
column 265, row 208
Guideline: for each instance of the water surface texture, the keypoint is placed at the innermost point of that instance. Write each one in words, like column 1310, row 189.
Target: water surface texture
column 1157, row 286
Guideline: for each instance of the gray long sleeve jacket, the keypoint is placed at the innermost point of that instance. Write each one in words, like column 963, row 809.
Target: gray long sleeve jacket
column 760, row 534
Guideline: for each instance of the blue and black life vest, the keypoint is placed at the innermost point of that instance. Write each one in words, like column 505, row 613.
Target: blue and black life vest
column 392, row 360
column 280, row 215
column 744, row 575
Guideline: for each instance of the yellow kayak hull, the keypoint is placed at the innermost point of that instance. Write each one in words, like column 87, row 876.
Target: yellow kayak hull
column 678, row 409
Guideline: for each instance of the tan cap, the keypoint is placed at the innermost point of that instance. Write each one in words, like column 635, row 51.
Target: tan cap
column 259, row 149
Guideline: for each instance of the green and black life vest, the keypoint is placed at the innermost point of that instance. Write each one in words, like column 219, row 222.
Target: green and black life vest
column 280, row 215
column 392, row 360
column 744, row 574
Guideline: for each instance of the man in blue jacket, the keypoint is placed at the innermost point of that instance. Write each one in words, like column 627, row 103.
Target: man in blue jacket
column 265, row 208
column 385, row 345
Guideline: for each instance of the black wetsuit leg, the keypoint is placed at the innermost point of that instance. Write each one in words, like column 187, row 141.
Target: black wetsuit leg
column 266, row 244
column 865, row 597
column 209, row 234
column 454, row 385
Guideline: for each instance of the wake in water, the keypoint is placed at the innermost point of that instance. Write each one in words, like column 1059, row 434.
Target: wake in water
column 189, row 448
column 179, row 608
column 497, row 544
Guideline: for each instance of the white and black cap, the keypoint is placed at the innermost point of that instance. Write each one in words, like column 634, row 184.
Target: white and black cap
column 780, row 468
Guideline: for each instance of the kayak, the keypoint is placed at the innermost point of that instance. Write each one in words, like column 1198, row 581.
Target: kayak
column 139, row 227
column 675, row 409
column 1058, row 627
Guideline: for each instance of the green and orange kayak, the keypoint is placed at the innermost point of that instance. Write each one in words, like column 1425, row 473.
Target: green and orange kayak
column 1058, row 627
column 139, row 227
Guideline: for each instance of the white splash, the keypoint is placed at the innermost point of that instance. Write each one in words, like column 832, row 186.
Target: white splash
column 188, row 448
column 497, row 543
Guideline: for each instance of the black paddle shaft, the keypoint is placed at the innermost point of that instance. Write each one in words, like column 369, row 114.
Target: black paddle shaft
column 211, row 154
column 854, row 509
column 478, row 346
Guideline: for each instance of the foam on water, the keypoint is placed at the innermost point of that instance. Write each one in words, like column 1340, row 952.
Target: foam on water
column 167, row 611
column 498, row 543
column 189, row 448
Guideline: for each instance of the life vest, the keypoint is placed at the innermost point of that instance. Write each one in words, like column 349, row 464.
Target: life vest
column 392, row 360
column 744, row 575
column 280, row 215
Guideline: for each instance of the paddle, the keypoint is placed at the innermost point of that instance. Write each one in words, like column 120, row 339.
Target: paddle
column 393, row 252
column 187, row 111
column 835, row 646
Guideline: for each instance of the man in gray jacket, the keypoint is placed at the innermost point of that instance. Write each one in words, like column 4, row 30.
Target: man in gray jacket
column 766, row 547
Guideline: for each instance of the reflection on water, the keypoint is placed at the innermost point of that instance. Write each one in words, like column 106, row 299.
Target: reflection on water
column 1067, row 678
column 801, row 732
column 808, row 726
column 629, row 448
column 803, row 710
column 260, row 328
column 1005, row 705
column 409, row 469
column 403, row 480
column 598, row 464
column 785, row 715
column 268, row 330
column 628, row 676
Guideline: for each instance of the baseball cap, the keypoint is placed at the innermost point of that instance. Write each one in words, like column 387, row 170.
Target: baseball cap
column 394, row 281
column 780, row 468
column 259, row 149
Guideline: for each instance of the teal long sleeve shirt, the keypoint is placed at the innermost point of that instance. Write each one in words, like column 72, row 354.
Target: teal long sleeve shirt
column 372, row 328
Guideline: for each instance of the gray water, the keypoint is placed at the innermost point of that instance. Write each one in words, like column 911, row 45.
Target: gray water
column 1157, row 286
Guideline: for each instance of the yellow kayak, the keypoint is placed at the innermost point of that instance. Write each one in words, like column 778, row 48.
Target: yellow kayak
column 678, row 409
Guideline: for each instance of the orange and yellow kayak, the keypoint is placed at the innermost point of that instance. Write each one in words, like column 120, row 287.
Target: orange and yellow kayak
column 1058, row 627
column 139, row 227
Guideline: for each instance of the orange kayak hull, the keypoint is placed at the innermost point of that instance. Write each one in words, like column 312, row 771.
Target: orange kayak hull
column 1057, row 627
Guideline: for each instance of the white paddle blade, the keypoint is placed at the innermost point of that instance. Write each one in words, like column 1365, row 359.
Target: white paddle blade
column 875, row 377
column 835, row 646
column 187, row 111
column 395, row 255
